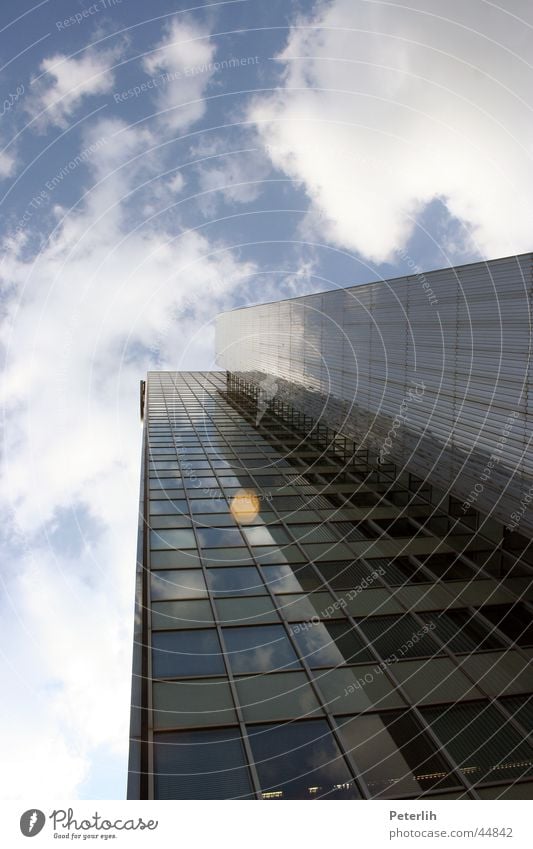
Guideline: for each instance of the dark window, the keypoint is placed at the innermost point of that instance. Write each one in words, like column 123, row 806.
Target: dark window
column 513, row 620
column 201, row 765
column 300, row 760
column 397, row 637
column 481, row 741
column 461, row 632
column 177, row 653
column 394, row 755
column 521, row 707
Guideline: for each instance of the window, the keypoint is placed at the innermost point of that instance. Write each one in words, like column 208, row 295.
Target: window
column 284, row 579
column 344, row 574
column 178, row 653
column 300, row 760
column 329, row 643
column 462, row 632
column 262, row 535
column 165, row 506
column 286, row 695
column 176, row 538
column 398, row 637
column 185, row 583
column 259, row 649
column 481, row 741
column 512, row 620
column 188, row 703
column 435, row 680
column 257, row 610
column 219, row 537
column 394, row 755
column 244, row 580
column 356, row 689
column 181, row 614
column 301, row 607
column 201, row 765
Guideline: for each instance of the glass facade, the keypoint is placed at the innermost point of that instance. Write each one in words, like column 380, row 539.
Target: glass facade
column 310, row 625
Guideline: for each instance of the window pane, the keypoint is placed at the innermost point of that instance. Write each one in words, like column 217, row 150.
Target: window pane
column 271, row 535
column 300, row 761
column 280, row 696
column 435, row 680
column 287, row 579
column 394, row 756
column 246, row 611
column 176, row 653
column 212, row 537
column 461, row 632
column 183, row 583
column 188, row 559
column 265, row 649
column 356, row 689
column 481, row 741
column 513, row 620
column 521, row 708
column 398, row 636
column 201, row 765
column 329, row 643
column 223, row 556
column 179, row 538
column 238, row 581
column 181, row 614
column 188, row 703
column 301, row 607
column 166, row 506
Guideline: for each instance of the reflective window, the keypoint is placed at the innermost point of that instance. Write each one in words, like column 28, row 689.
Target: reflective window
column 263, row 535
column 244, row 580
column 259, row 649
column 357, row 688
column 246, row 611
column 166, row 506
column 201, row 765
column 301, row 607
column 287, row 579
column 181, row 614
column 173, row 558
column 223, row 556
column 187, row 703
column 219, row 536
column 300, row 760
column 329, row 643
column 178, row 653
column 176, row 538
column 182, row 583
column 394, row 755
column 286, row 695
column 209, row 505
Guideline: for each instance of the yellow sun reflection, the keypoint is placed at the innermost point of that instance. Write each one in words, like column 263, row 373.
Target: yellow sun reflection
column 244, row 506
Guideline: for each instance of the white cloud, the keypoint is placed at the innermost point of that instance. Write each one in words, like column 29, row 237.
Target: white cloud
column 186, row 54
column 65, row 81
column 384, row 108
column 7, row 164
column 107, row 297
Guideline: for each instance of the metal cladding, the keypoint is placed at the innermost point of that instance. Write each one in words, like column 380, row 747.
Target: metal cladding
column 432, row 371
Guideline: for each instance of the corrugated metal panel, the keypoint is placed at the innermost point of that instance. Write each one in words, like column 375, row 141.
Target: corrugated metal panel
column 350, row 357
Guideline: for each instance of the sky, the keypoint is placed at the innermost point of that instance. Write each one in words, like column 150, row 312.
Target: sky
column 163, row 162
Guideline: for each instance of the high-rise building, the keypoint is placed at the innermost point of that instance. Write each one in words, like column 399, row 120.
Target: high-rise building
column 314, row 620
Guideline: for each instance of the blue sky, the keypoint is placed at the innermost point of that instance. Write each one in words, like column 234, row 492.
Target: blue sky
column 160, row 163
